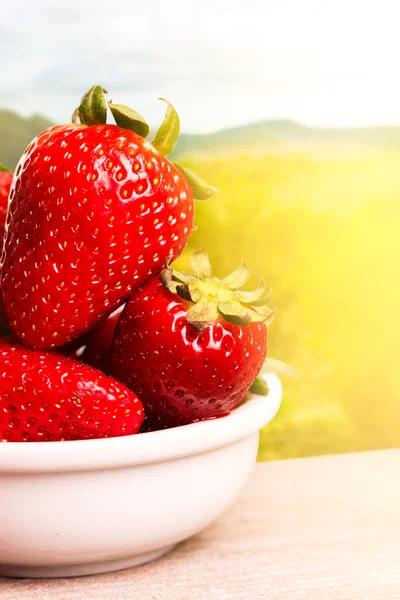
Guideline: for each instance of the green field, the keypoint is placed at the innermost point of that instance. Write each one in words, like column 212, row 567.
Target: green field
column 325, row 233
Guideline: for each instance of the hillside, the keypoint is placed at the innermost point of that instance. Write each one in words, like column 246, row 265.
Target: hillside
column 15, row 134
column 277, row 137
column 267, row 137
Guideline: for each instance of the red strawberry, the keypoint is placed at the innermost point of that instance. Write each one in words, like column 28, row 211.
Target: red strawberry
column 98, row 343
column 94, row 211
column 47, row 397
column 191, row 346
column 3, row 317
column 5, row 184
column 75, row 348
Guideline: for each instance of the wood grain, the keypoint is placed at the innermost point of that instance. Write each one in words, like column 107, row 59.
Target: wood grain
column 316, row 528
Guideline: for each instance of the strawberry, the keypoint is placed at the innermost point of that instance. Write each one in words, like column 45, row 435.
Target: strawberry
column 190, row 346
column 5, row 184
column 98, row 343
column 94, row 211
column 47, row 397
column 75, row 348
column 3, row 317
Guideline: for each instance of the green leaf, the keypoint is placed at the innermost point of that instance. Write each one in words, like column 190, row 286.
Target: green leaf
column 166, row 278
column 194, row 292
column 262, row 301
column 183, row 291
column 234, row 312
column 76, row 117
column 93, row 107
column 262, row 314
column 4, row 169
column 202, row 314
column 168, row 133
column 259, row 387
column 238, row 278
column 255, row 296
column 272, row 365
column 129, row 119
column 201, row 190
column 201, row 263
column 183, row 277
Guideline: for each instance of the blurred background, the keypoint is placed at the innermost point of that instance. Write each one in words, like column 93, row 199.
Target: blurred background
column 291, row 108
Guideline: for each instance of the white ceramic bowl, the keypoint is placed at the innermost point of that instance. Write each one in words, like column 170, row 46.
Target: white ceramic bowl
column 84, row 507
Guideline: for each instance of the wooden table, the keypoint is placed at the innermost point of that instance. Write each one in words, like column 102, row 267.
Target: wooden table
column 315, row 528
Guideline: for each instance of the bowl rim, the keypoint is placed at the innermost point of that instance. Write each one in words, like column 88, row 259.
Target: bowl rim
column 145, row 448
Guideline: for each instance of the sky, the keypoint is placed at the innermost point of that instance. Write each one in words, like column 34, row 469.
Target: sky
column 222, row 63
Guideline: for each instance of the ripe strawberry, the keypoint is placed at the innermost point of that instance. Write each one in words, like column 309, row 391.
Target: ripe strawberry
column 3, row 317
column 75, row 348
column 47, row 397
column 5, row 184
column 98, row 343
column 94, row 211
column 191, row 346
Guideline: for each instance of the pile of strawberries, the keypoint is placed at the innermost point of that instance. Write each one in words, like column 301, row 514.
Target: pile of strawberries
column 101, row 337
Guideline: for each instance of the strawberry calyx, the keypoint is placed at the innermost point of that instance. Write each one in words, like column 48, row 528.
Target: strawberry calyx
column 4, row 169
column 93, row 110
column 127, row 118
column 200, row 188
column 211, row 298
column 259, row 387
column 168, row 131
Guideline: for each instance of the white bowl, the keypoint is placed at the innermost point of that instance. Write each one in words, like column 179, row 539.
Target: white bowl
column 85, row 507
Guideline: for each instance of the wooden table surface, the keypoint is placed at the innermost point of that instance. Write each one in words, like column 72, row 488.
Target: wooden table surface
column 315, row 528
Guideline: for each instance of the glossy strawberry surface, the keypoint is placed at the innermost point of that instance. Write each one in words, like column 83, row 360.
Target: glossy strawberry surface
column 5, row 184
column 94, row 211
column 47, row 397
column 98, row 342
column 182, row 375
column 3, row 317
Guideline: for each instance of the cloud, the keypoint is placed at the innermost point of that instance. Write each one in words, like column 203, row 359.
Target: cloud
column 221, row 62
